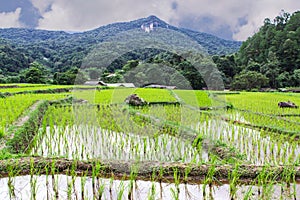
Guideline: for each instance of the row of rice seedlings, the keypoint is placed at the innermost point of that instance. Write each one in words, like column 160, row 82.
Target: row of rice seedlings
column 266, row 121
column 259, row 150
column 293, row 119
column 265, row 186
column 110, row 118
column 119, row 118
column 271, row 190
column 133, row 125
column 177, row 114
column 61, row 135
column 70, row 186
column 86, row 142
column 265, row 189
column 253, row 148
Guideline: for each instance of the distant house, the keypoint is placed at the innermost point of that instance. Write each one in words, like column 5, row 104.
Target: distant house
column 101, row 83
column 127, row 85
column 295, row 90
column 92, row 82
column 111, row 75
column 169, row 87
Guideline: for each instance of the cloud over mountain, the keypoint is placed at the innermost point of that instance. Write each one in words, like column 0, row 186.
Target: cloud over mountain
column 232, row 19
column 10, row 19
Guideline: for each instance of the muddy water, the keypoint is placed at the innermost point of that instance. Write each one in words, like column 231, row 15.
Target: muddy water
column 66, row 187
column 84, row 142
column 258, row 149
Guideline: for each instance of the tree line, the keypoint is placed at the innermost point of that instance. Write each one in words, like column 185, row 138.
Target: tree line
column 270, row 58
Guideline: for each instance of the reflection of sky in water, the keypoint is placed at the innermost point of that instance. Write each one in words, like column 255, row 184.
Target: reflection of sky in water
column 141, row 189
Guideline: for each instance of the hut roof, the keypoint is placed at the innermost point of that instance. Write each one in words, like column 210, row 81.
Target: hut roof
column 91, row 82
column 128, row 85
column 170, row 87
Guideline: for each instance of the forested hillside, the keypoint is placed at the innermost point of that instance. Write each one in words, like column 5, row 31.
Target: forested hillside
column 270, row 58
column 60, row 52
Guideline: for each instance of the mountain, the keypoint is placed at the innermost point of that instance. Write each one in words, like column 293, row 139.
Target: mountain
column 59, row 50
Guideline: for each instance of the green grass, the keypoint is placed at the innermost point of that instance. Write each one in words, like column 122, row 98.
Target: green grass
column 262, row 109
column 293, row 119
column 12, row 107
column 267, row 121
column 176, row 114
column 163, row 133
column 264, row 102
column 194, row 97
column 23, row 85
column 33, row 87
column 118, row 95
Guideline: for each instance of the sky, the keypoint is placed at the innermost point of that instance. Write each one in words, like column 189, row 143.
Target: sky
column 228, row 19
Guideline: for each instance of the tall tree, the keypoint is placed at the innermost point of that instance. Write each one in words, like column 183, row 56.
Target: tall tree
column 36, row 73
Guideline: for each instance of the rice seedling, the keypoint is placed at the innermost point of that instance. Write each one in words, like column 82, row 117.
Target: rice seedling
column 108, row 130
column 252, row 143
column 263, row 102
column 114, row 189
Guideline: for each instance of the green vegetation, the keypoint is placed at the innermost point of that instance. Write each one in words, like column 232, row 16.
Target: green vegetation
column 85, row 142
column 118, row 95
column 268, row 59
column 12, row 107
column 104, row 147
column 264, row 102
column 62, row 53
column 272, row 54
column 194, row 97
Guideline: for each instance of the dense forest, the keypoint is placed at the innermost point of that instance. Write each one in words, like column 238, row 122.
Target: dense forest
column 62, row 53
column 268, row 59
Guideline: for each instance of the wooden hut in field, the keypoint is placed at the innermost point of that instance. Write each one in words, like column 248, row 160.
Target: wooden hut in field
column 101, row 83
column 169, row 87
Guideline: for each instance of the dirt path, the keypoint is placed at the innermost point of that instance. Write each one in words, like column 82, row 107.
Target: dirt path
column 19, row 122
column 24, row 118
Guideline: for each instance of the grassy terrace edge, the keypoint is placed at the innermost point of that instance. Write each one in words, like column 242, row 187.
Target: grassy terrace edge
column 149, row 170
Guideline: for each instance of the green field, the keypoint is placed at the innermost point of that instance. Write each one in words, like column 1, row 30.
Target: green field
column 264, row 102
column 195, row 129
column 118, row 95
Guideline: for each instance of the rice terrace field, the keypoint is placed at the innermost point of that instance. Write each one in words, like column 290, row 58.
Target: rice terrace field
column 82, row 142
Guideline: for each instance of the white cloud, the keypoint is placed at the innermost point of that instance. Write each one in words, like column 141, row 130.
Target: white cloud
column 10, row 19
column 78, row 15
column 42, row 5
column 260, row 11
column 228, row 12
